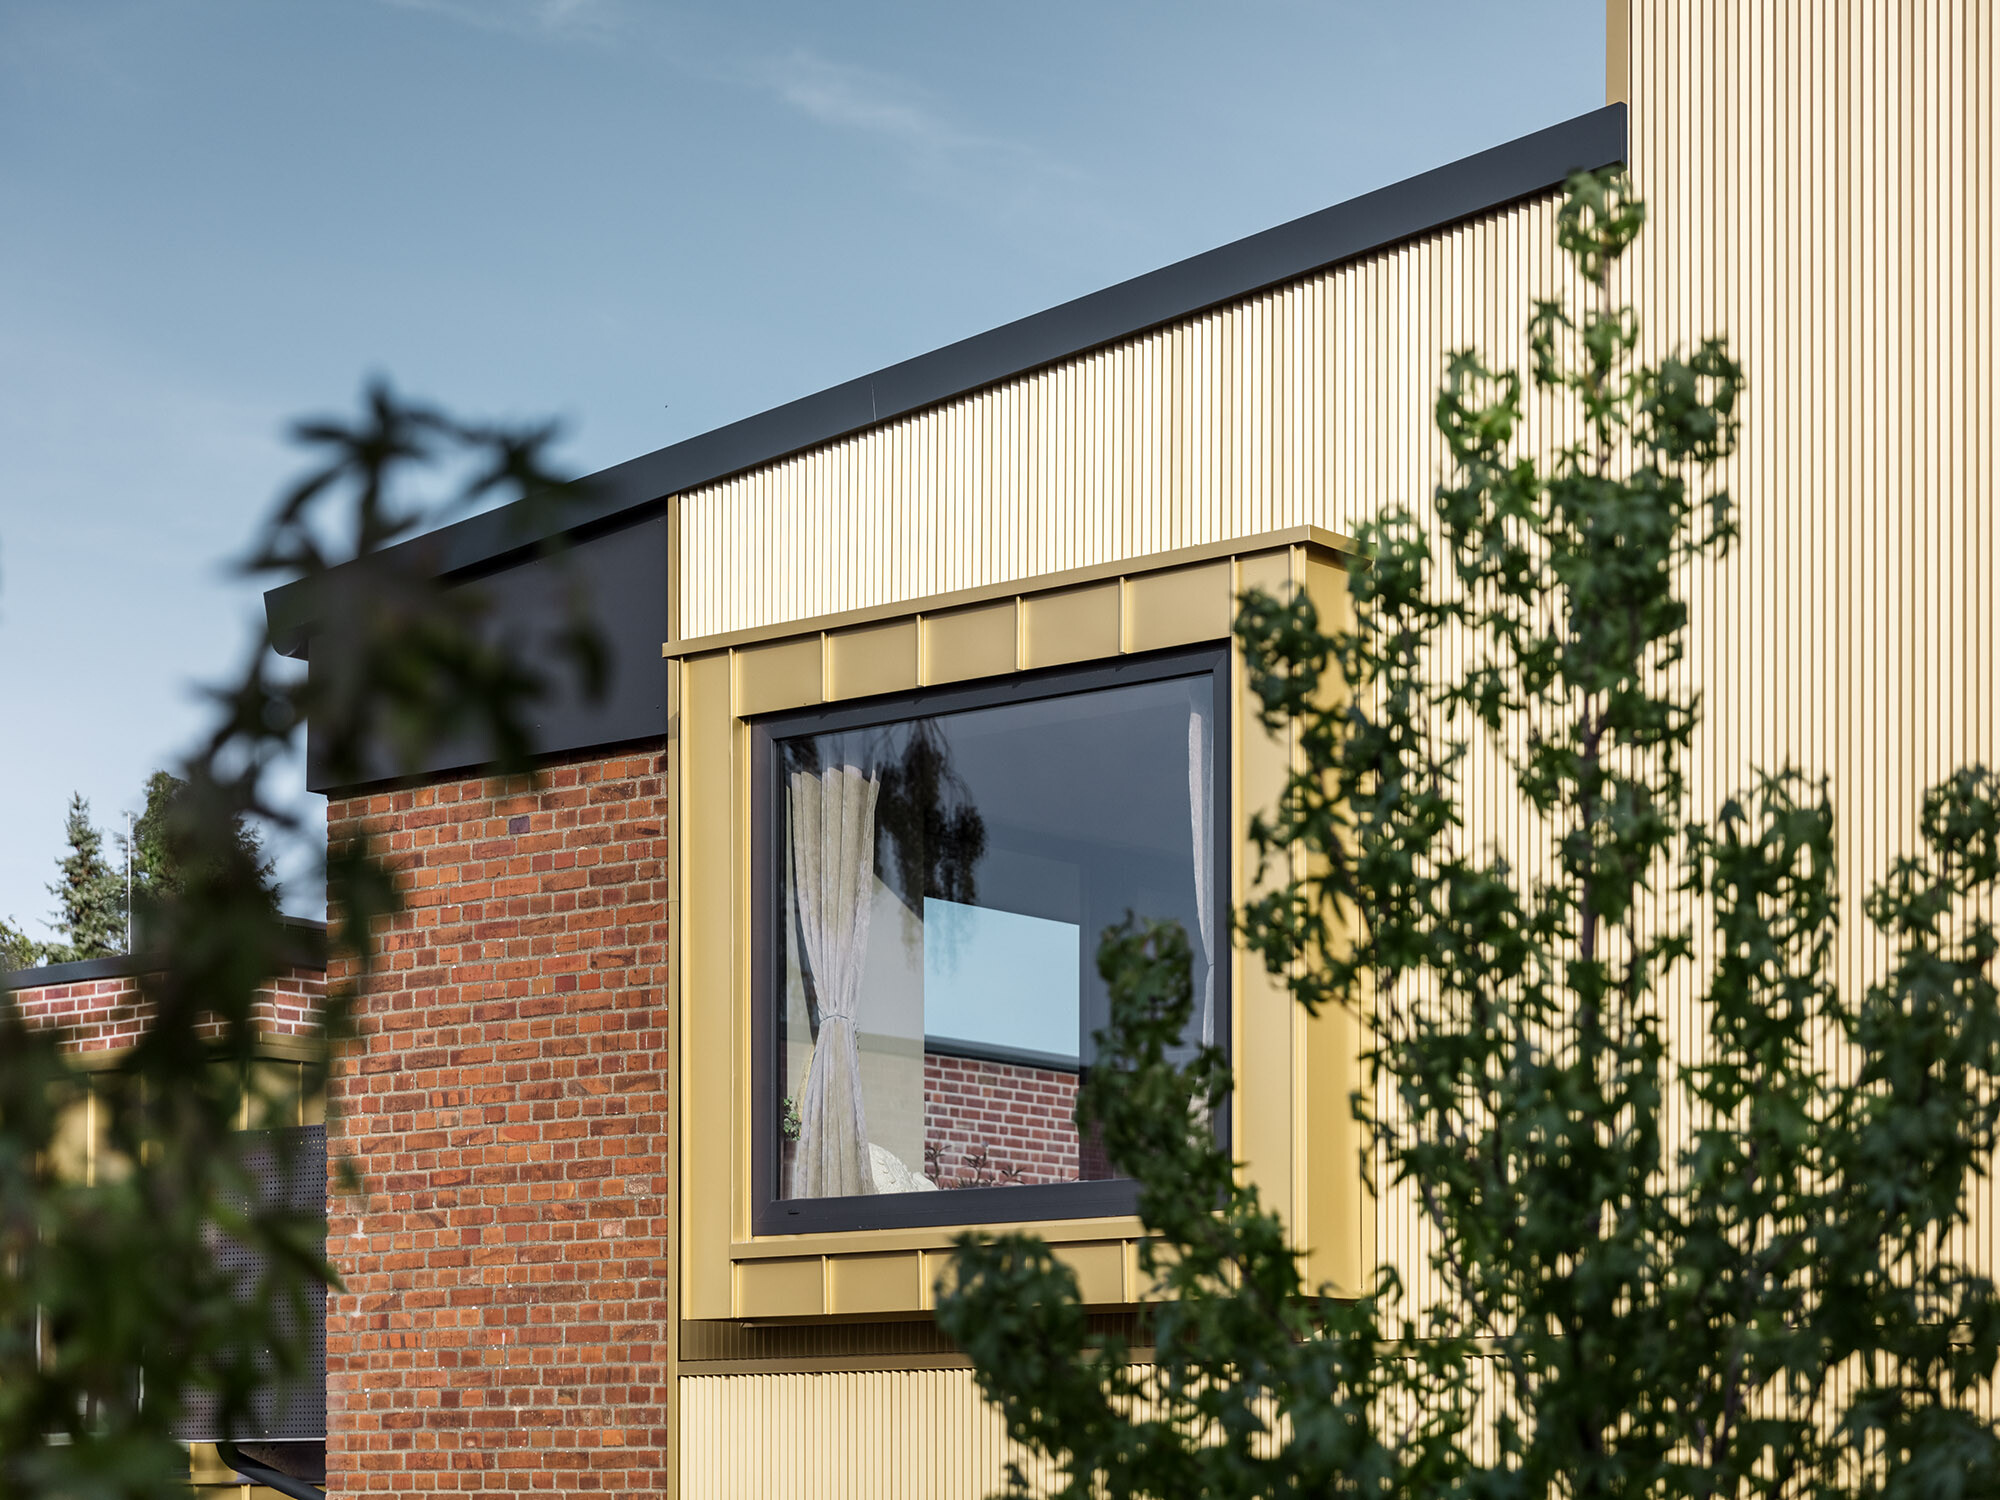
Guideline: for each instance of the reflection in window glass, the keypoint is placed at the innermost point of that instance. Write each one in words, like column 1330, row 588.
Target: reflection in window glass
column 998, row 979
column 941, row 886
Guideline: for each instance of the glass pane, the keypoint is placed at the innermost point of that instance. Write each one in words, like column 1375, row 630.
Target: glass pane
column 943, row 882
column 1000, row 979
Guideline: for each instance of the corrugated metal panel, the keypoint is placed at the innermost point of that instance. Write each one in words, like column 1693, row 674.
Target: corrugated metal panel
column 1821, row 185
column 861, row 1435
column 1395, row 319
column 1306, row 404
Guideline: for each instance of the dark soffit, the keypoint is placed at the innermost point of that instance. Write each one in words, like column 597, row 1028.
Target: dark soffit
column 1473, row 185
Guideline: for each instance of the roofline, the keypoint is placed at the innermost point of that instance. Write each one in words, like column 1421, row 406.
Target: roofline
column 310, row 955
column 1523, row 168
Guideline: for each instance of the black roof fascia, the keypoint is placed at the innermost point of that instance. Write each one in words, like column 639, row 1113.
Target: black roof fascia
column 309, row 954
column 82, row 971
column 1473, row 185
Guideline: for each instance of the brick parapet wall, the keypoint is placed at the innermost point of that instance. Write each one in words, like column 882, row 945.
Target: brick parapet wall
column 107, row 1015
column 1023, row 1120
column 506, row 1307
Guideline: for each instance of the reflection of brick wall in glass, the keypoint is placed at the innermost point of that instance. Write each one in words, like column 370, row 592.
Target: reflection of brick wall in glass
column 993, row 1123
column 934, row 873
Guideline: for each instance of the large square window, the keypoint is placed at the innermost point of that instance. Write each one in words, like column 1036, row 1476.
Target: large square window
column 932, row 874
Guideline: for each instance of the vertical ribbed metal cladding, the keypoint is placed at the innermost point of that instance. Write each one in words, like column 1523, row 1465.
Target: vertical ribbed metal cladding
column 1820, row 180
column 1396, row 318
column 858, row 1435
column 1216, row 427
column 1821, row 185
column 1820, row 190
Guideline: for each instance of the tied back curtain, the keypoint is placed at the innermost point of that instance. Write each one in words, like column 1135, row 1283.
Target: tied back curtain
column 1201, row 815
column 833, row 863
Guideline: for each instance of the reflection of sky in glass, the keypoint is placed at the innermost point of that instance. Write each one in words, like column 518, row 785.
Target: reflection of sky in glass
column 1000, row 978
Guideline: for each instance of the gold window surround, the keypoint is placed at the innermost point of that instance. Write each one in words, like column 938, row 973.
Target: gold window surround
column 1291, row 1124
column 81, row 1149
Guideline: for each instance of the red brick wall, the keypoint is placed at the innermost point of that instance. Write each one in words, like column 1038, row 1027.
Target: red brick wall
column 100, row 1015
column 1024, row 1117
column 506, row 1307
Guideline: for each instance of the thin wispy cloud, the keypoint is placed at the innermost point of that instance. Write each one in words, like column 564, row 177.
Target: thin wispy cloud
column 946, row 156
column 860, row 99
column 571, row 20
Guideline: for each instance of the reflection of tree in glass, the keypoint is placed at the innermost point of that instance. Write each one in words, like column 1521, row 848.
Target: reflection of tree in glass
column 925, row 815
column 929, row 836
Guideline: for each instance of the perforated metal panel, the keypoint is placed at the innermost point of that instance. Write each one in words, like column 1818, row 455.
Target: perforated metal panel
column 290, row 1169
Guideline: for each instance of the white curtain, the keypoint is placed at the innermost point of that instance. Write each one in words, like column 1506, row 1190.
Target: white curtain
column 833, row 863
column 1201, row 814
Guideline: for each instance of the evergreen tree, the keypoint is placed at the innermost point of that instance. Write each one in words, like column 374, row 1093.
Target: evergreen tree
column 90, row 894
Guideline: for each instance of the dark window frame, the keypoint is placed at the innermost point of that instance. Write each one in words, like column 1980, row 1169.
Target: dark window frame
column 1104, row 1198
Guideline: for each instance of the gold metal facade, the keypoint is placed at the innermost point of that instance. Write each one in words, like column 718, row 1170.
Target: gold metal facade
column 1301, row 406
column 1820, row 179
column 853, row 1435
column 1821, row 184
column 1295, row 1140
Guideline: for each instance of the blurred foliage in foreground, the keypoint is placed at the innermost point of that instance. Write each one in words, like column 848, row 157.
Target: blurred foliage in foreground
column 1768, row 1299
column 113, row 1310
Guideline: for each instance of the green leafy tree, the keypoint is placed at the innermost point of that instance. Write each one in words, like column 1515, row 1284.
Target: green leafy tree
column 17, row 949
column 1773, row 1302
column 158, row 849
column 90, row 894
column 112, row 1304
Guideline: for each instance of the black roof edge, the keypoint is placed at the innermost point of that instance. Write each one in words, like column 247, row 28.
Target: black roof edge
column 1473, row 185
column 310, row 953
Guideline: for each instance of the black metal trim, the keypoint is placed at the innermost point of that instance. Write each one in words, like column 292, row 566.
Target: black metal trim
column 310, row 953
column 80, row 971
column 1102, row 1198
column 1473, row 185
column 622, row 579
column 952, row 1208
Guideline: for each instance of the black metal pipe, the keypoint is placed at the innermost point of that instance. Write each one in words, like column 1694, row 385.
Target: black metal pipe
column 264, row 1474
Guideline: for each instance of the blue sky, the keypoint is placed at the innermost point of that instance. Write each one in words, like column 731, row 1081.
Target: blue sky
column 645, row 218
